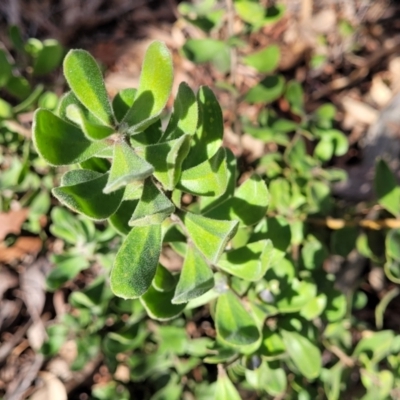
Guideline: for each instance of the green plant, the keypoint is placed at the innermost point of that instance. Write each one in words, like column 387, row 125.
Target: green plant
column 253, row 256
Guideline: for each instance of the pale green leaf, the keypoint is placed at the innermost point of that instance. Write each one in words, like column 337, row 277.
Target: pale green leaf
column 248, row 205
column 185, row 116
column 209, row 178
column 153, row 206
column 249, row 262
column 91, row 130
column 208, row 137
column 209, row 235
column 386, row 188
column 234, row 325
column 154, row 89
column 305, row 355
column 265, row 60
column 86, row 81
column 126, row 167
column 136, row 262
column 268, row 90
column 196, row 277
column 61, row 143
column 224, row 389
column 49, row 57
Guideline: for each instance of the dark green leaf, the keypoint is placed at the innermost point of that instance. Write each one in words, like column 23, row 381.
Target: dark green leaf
column 122, row 102
column 5, row 68
column 164, row 281
column 49, row 57
column 159, row 304
column 120, row 219
column 61, row 143
column 82, row 191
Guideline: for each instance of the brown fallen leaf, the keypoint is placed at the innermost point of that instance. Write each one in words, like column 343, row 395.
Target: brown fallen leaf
column 23, row 245
column 11, row 222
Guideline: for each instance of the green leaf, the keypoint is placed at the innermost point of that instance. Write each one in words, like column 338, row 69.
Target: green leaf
column 159, row 304
column 164, row 281
column 386, row 188
column 392, row 244
column 122, row 102
column 209, row 235
column 248, row 205
column 295, row 96
column 82, row 191
column 154, row 89
column 150, row 135
column 196, row 277
column 208, row 137
column 153, row 206
column 208, row 50
column 269, row 377
column 5, row 68
column 265, row 60
column 30, row 100
column 185, row 116
column 6, row 111
column 249, row 262
column 224, row 389
column 120, row 219
column 305, row 355
column 268, row 90
column 94, row 131
column 67, row 268
column 136, row 262
column 49, row 57
column 167, row 159
column 209, row 178
column 126, row 167
column 234, row 325
column 61, row 143
column 251, row 12
column 86, row 81
column 18, row 87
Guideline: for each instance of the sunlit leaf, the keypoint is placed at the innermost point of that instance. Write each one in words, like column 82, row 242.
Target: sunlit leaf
column 86, row 81
column 136, row 262
column 209, row 178
column 153, row 206
column 196, row 277
column 234, row 325
column 209, row 235
column 126, row 167
column 154, row 89
column 265, row 60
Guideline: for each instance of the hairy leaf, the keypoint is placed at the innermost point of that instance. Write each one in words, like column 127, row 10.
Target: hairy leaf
column 153, row 206
column 184, row 118
column 209, row 235
column 136, row 262
column 61, row 143
column 249, row 262
column 209, row 178
column 86, row 81
column 154, row 89
column 83, row 192
column 126, row 167
column 196, row 277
